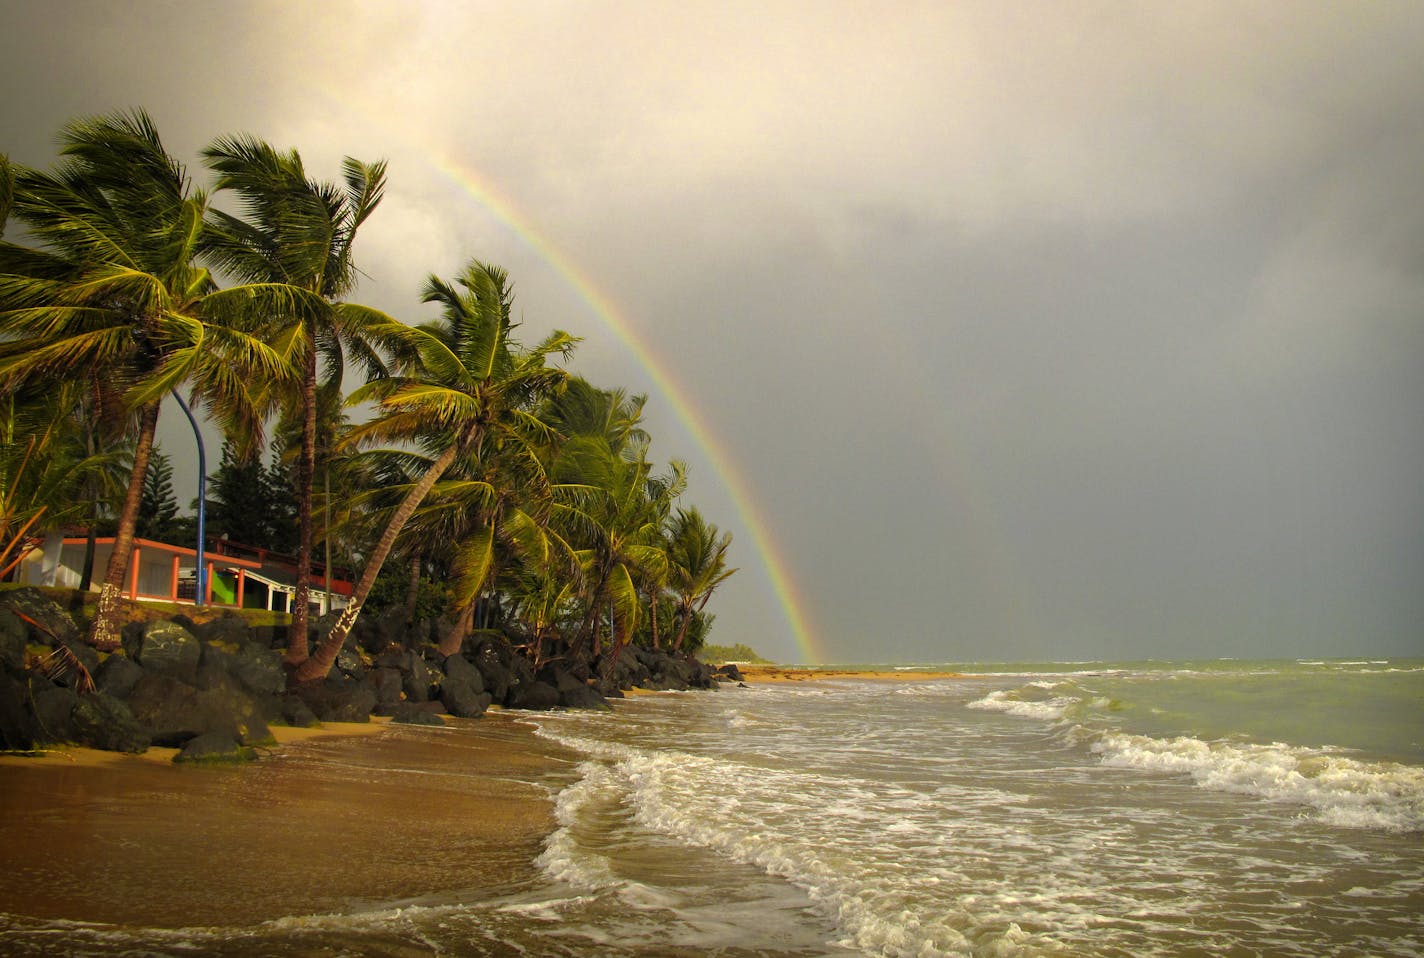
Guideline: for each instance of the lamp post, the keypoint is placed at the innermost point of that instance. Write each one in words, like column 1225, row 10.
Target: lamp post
column 199, row 595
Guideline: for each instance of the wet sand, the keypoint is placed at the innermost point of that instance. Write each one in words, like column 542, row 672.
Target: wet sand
column 334, row 820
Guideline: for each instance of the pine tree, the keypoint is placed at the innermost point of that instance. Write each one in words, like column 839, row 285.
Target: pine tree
column 158, row 506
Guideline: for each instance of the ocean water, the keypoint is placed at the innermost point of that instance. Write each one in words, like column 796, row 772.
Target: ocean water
column 1190, row 808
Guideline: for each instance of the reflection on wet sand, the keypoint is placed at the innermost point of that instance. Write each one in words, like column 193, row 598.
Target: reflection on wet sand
column 323, row 825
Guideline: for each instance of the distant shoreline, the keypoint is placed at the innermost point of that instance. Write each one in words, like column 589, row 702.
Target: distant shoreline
column 795, row 673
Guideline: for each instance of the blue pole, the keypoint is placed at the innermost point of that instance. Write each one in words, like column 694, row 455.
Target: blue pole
column 202, row 497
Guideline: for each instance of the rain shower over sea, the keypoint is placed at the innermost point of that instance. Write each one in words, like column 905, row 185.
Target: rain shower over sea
column 1189, row 808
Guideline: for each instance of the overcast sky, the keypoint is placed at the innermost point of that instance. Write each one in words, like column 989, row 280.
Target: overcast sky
column 1036, row 331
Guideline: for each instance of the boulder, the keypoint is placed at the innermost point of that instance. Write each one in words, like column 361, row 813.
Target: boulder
column 389, row 686
column 48, row 622
column 582, row 697
column 14, row 634
column 117, row 675
column 494, row 670
column 348, row 660
column 19, row 731
column 416, row 676
column 174, row 712
column 413, row 713
column 731, row 672
column 167, row 647
column 228, row 630
column 216, row 748
column 102, row 721
column 53, row 707
column 259, row 670
column 338, row 699
column 296, row 713
column 460, row 669
column 561, row 678
column 534, row 695
column 461, row 698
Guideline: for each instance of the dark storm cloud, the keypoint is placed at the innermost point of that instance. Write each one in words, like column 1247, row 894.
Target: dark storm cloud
column 1091, row 330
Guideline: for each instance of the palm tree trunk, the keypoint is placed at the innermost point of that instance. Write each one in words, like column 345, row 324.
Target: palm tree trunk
column 321, row 661
column 104, row 632
column 306, row 475
column 454, row 636
column 653, row 616
column 412, row 590
column 686, row 610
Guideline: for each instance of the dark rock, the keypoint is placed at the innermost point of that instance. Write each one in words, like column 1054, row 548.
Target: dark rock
column 130, row 636
column 101, row 721
column 228, row 630
column 348, row 660
column 582, row 697
column 14, row 634
column 117, row 675
column 732, row 672
column 411, row 713
column 296, row 714
column 534, row 695
column 460, row 669
column 560, row 678
column 214, row 747
column 460, row 698
column 48, row 622
column 493, row 662
column 338, row 699
column 53, row 707
column 390, row 689
column 175, row 712
column 171, row 711
column 169, row 648
column 259, row 670
column 19, row 731
column 417, row 678
column 185, row 622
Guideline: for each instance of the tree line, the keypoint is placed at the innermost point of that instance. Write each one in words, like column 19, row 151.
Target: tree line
column 522, row 493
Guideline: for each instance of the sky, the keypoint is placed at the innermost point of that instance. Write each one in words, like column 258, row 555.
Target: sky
column 992, row 331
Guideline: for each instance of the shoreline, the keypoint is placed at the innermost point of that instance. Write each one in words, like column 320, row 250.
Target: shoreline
column 797, row 673
column 135, row 840
column 81, row 756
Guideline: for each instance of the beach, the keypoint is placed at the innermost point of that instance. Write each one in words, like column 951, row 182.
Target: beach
column 1108, row 809
column 333, row 818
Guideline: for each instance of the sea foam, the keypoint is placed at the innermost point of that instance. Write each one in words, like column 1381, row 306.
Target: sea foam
column 1343, row 791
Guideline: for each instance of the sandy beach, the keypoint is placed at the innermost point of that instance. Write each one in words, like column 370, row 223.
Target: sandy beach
column 334, row 817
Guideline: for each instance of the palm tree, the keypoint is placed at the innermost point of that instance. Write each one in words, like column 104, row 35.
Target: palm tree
column 7, row 190
column 44, row 476
column 464, row 388
column 663, row 491
column 113, row 290
column 698, row 559
column 300, row 232
column 618, row 532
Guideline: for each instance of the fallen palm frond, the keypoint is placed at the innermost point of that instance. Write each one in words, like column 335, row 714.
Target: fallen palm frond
column 61, row 661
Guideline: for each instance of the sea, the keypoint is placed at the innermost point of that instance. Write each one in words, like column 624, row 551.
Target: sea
column 1097, row 808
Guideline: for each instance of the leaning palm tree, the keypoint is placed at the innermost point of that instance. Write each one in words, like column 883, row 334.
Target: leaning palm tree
column 698, row 560
column 299, row 231
column 463, row 388
column 112, row 289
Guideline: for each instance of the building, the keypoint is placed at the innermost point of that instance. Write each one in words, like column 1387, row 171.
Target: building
column 237, row 576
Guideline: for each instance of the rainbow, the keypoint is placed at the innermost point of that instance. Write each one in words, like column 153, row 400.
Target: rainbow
column 778, row 569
